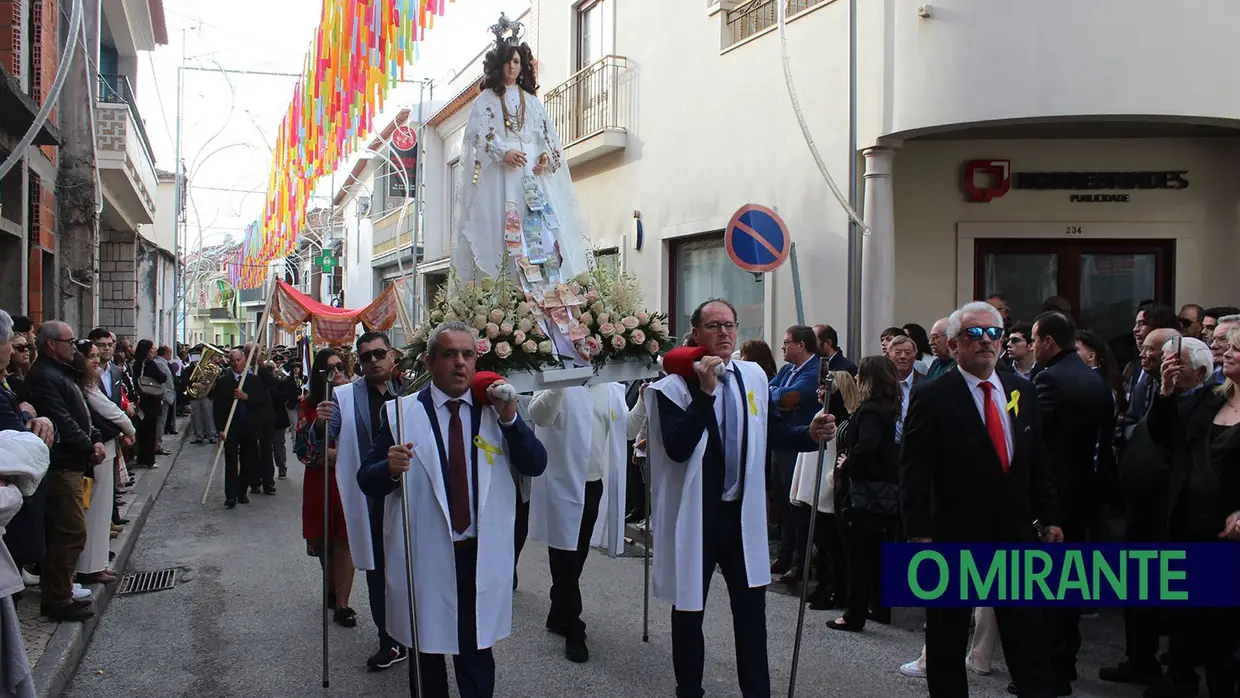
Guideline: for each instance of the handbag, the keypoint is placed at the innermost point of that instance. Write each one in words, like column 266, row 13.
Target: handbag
column 149, row 387
column 873, row 497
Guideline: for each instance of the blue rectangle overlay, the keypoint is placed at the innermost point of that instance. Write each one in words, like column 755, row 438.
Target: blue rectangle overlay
column 1189, row 575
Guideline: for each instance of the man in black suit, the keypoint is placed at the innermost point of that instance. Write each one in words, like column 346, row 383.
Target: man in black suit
column 241, row 455
column 829, row 350
column 972, row 469
column 1078, row 420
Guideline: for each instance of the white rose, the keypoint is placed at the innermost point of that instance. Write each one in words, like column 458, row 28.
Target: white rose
column 518, row 337
column 545, row 347
column 496, row 316
column 480, row 322
column 492, row 330
column 604, row 318
column 586, row 319
column 524, row 324
column 503, row 350
column 524, row 309
column 505, row 328
column 529, row 346
column 597, row 307
column 607, row 329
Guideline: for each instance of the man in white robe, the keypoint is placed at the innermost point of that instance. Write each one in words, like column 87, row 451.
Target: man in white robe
column 360, row 403
column 579, row 500
column 458, row 454
column 707, row 450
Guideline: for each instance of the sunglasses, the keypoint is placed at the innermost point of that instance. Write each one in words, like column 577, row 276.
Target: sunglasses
column 373, row 355
column 1185, row 322
column 977, row 333
column 21, row 347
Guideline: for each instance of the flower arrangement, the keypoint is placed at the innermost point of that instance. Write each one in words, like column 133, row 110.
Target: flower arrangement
column 605, row 308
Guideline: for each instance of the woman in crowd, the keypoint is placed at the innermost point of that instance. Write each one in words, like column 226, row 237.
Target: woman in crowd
column 869, row 506
column 1098, row 355
column 759, row 352
column 887, row 334
column 149, row 378
column 925, row 353
column 92, row 565
column 19, row 365
column 312, row 429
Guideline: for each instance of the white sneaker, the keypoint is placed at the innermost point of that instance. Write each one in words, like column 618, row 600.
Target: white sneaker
column 913, row 669
column 975, row 670
column 80, row 593
column 30, row 580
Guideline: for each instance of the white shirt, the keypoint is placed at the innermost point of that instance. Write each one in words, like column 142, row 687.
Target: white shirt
column 997, row 395
column 546, row 406
column 735, row 420
column 444, row 413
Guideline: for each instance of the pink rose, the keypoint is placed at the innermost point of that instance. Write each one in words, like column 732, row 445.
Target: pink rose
column 607, row 329
column 637, row 337
column 656, row 326
column 505, row 328
column 618, row 343
column 594, row 345
column 483, row 346
column 643, row 317
column 529, row 346
column 518, row 337
column 586, row 319
column 497, row 316
column 603, row 318
column 503, row 350
column 652, row 346
column 591, row 296
column 492, row 330
column 629, row 322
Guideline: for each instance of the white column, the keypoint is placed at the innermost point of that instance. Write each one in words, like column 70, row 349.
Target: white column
column 878, row 250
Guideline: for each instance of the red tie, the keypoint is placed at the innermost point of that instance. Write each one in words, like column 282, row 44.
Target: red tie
column 994, row 425
column 458, row 478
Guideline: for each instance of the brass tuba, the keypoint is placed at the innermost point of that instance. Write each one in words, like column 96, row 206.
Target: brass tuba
column 205, row 372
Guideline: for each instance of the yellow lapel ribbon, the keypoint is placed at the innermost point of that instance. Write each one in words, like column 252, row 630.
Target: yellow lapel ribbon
column 1013, row 405
column 489, row 448
column 613, row 415
column 753, row 404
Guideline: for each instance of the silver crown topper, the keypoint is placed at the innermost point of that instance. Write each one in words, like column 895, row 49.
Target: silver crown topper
column 511, row 27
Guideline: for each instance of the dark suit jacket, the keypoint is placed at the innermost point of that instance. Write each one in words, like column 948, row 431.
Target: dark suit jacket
column 1181, row 425
column 114, row 377
column 11, row 417
column 1078, row 420
column 251, row 414
column 800, row 391
column 525, row 452
column 952, row 484
column 54, row 393
column 839, row 362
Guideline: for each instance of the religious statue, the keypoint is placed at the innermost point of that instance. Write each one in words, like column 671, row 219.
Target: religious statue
column 516, row 212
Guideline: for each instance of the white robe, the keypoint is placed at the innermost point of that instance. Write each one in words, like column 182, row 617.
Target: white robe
column 434, row 558
column 352, row 500
column 677, row 492
column 557, row 498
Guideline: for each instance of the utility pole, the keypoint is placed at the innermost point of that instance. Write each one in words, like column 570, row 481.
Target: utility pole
column 178, row 197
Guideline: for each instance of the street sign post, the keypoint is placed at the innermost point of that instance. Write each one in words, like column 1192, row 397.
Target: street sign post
column 757, row 239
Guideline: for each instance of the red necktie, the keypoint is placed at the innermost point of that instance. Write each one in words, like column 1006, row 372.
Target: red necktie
column 994, row 425
column 458, row 477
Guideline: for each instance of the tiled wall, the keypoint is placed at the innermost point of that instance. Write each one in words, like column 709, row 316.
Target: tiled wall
column 118, row 283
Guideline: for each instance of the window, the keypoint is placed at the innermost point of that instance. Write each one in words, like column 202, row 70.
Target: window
column 609, row 259
column 701, row 270
column 595, row 31
column 454, row 183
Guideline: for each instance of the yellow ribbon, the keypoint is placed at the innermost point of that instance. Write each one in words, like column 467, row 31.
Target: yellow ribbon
column 1013, row 405
column 753, row 404
column 487, row 447
column 613, row 415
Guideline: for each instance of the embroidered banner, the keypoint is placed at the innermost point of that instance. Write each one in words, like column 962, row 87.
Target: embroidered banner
column 335, row 326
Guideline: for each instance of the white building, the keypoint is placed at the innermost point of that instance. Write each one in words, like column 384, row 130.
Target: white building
column 1108, row 165
column 156, row 268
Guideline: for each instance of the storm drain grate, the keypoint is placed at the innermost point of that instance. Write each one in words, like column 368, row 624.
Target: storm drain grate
column 630, row 550
column 142, row 582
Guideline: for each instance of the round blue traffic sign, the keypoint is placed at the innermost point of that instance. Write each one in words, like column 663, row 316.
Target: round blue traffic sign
column 757, row 239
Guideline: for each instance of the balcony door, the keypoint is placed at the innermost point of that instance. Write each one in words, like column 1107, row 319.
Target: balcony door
column 596, row 38
column 1104, row 280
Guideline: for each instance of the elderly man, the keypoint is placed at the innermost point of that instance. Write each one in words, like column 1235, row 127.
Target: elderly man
column 943, row 359
column 1218, row 345
column 709, row 434
column 972, row 470
column 794, row 398
column 54, row 392
column 903, row 353
column 462, row 510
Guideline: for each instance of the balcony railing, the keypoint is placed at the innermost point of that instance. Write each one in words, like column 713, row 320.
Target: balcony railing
column 756, row 16
column 116, row 89
column 597, row 98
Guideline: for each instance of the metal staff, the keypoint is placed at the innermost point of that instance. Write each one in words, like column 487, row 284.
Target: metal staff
column 649, row 552
column 826, row 384
column 327, row 559
column 413, row 601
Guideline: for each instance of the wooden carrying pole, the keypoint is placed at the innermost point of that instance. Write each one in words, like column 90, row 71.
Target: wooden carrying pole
column 219, row 450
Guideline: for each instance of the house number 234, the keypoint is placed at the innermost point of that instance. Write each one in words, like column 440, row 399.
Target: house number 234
column 1073, row 230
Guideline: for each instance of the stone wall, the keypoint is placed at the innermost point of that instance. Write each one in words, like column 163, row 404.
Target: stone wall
column 118, row 282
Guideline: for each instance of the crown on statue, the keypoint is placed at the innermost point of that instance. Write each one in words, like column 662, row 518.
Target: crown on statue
column 507, row 31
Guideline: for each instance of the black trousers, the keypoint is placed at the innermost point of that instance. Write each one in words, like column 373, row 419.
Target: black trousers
column 474, row 668
column 147, row 428
column 793, row 520
column 376, row 590
column 240, row 463
column 520, row 530
column 1205, row 637
column 1141, row 624
column 566, row 566
column 863, row 537
column 832, row 568
column 170, row 419
column 1064, row 624
column 721, row 545
column 1022, row 633
column 264, row 474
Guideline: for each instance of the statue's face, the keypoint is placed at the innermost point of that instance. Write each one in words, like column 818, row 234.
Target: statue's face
column 512, row 69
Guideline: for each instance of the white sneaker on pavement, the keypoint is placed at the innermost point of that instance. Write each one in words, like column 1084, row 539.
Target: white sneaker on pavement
column 913, row 669
column 80, row 592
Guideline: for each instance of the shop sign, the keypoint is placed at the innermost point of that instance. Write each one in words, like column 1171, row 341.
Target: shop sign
column 986, row 180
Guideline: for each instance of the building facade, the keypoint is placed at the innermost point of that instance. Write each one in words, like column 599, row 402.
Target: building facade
column 988, row 158
column 156, row 266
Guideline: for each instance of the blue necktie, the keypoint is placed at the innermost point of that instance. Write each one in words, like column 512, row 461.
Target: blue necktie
column 731, row 434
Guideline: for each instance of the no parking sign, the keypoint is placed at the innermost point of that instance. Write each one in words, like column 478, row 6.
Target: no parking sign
column 757, row 239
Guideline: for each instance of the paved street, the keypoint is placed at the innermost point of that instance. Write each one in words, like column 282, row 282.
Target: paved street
column 244, row 620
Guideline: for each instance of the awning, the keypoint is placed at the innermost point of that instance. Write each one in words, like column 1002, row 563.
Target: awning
column 17, row 112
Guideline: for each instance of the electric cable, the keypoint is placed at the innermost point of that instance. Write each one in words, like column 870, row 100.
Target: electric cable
column 53, row 95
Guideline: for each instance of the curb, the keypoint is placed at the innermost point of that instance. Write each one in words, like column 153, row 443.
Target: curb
column 69, row 641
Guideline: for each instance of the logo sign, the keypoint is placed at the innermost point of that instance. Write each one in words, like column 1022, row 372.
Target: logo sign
column 327, row 262
column 985, row 180
column 757, row 239
column 404, row 153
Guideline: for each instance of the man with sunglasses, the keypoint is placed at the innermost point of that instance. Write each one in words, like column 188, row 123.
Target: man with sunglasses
column 355, row 416
column 972, row 469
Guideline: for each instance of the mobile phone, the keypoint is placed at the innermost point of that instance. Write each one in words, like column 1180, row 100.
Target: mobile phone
column 1179, row 342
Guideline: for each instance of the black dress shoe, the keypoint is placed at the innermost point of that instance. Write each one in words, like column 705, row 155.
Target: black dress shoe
column 780, row 565
column 243, row 499
column 230, row 502
column 575, row 650
column 345, row 617
column 846, row 625
column 269, row 489
column 119, row 521
column 255, row 490
column 882, row 616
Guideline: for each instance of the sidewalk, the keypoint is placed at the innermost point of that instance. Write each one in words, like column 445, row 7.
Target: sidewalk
column 54, row 649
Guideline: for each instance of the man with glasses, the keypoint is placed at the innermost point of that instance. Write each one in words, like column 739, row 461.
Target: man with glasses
column 353, row 419
column 1191, row 317
column 708, row 437
column 794, row 396
column 972, row 469
column 241, row 440
column 1020, row 350
column 54, row 392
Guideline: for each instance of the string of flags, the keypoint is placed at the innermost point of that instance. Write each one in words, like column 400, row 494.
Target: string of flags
column 359, row 52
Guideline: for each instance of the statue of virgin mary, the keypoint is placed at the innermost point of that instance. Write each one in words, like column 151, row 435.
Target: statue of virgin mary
column 516, row 211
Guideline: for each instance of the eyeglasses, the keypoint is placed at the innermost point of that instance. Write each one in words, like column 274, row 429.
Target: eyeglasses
column 717, row 326
column 21, row 347
column 335, row 365
column 977, row 333
column 373, row 355
column 70, row 340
